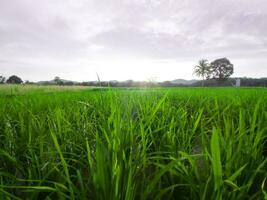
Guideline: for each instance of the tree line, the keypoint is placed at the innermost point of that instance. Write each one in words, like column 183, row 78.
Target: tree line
column 11, row 80
column 216, row 73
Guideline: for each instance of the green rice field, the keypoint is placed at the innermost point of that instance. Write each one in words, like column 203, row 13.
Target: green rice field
column 123, row 144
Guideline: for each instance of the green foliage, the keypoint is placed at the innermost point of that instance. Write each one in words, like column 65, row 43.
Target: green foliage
column 2, row 79
column 202, row 69
column 188, row 143
column 221, row 68
column 14, row 80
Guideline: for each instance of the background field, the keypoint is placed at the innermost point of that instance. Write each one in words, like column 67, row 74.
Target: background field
column 91, row 143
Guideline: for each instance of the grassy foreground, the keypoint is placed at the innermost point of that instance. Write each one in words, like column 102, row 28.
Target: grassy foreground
column 133, row 144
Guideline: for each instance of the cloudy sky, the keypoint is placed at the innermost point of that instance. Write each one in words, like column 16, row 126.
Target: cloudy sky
column 130, row 39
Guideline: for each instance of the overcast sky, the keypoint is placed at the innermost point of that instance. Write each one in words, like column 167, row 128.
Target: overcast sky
column 130, row 39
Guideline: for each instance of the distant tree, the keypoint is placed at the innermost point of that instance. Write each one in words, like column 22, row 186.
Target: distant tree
column 27, row 82
column 58, row 80
column 221, row 68
column 128, row 83
column 69, row 83
column 2, row 79
column 14, row 80
column 202, row 70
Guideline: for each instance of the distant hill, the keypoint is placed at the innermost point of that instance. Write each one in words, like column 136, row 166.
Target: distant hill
column 53, row 82
column 183, row 81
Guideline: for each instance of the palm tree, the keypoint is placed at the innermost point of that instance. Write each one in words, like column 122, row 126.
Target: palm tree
column 202, row 69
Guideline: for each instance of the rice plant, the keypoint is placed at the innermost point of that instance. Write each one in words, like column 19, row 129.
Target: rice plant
column 187, row 143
